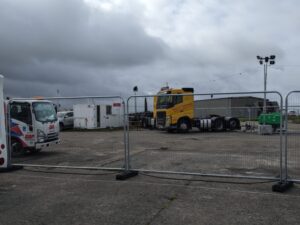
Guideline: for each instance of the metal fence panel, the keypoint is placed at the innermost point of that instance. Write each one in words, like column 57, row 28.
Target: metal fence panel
column 240, row 153
column 4, row 159
column 292, row 136
column 96, row 140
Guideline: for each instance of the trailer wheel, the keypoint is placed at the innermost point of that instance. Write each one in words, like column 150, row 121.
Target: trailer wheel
column 183, row 125
column 219, row 124
column 234, row 124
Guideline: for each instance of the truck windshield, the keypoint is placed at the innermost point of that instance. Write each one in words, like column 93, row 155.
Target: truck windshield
column 164, row 102
column 44, row 112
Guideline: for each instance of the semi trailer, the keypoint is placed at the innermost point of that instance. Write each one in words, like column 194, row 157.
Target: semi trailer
column 174, row 109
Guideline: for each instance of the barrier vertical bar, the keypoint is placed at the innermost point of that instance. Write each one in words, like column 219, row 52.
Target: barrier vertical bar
column 283, row 184
column 125, row 137
column 286, row 135
column 4, row 153
column 281, row 141
column 5, row 137
column 127, row 173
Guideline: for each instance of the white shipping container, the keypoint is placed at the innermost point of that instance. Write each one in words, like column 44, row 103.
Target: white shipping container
column 90, row 116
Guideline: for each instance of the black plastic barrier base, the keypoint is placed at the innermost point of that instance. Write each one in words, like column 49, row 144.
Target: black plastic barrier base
column 282, row 186
column 126, row 175
column 10, row 169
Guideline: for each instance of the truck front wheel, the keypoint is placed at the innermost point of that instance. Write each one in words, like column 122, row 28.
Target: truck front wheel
column 183, row 125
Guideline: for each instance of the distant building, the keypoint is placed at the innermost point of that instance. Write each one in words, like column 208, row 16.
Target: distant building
column 292, row 113
column 247, row 107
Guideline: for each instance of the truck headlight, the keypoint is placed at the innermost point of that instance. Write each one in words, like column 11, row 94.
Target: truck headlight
column 41, row 136
column 152, row 122
column 168, row 121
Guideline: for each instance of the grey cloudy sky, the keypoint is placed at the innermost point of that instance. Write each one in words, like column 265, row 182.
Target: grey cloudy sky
column 101, row 47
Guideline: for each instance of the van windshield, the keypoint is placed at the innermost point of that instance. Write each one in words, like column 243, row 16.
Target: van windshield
column 44, row 111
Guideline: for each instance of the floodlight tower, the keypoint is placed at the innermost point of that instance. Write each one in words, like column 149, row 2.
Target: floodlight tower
column 135, row 90
column 268, row 60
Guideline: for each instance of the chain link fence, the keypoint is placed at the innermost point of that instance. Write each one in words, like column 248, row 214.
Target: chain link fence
column 251, row 149
column 90, row 131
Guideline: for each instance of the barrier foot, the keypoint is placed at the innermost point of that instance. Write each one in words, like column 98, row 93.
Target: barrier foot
column 10, row 168
column 126, row 175
column 282, row 186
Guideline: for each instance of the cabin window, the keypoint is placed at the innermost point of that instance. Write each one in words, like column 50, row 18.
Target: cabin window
column 108, row 110
column 21, row 111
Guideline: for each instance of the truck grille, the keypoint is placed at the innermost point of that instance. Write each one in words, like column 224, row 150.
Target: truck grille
column 161, row 118
column 52, row 137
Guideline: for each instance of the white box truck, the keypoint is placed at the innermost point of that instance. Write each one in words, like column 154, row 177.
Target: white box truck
column 33, row 125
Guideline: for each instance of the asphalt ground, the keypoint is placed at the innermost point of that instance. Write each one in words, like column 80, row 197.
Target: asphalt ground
column 36, row 196
column 65, row 196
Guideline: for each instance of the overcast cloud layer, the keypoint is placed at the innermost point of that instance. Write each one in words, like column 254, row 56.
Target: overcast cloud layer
column 98, row 47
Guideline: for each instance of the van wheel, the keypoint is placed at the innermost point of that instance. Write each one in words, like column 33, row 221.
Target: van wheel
column 16, row 148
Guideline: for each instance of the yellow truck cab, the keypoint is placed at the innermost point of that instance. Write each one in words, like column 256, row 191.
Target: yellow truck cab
column 174, row 108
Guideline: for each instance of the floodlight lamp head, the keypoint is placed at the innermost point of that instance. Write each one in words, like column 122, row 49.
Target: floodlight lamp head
column 272, row 57
column 266, row 59
column 260, row 62
column 258, row 57
column 272, row 62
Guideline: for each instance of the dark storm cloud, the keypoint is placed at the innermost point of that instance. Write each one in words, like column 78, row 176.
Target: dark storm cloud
column 105, row 47
column 57, row 42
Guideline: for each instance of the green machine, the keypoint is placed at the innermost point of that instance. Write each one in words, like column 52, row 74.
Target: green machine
column 270, row 119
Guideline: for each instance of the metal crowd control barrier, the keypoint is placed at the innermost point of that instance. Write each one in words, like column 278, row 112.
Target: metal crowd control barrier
column 144, row 157
column 292, row 135
column 121, row 160
column 4, row 163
